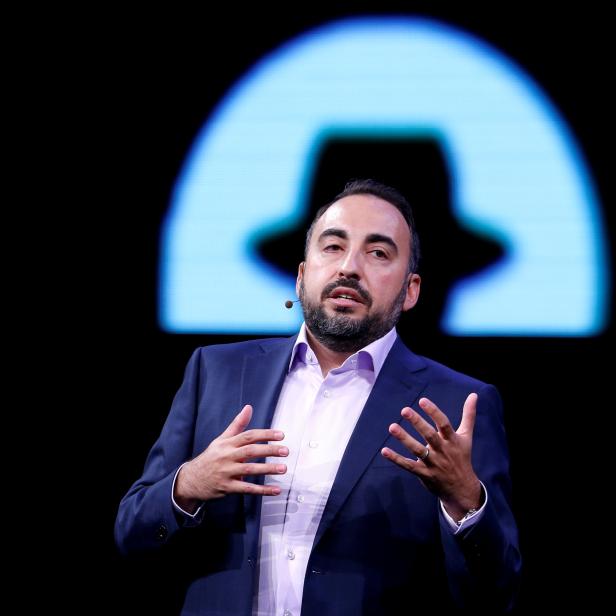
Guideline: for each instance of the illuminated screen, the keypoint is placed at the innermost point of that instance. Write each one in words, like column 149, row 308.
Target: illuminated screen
column 516, row 177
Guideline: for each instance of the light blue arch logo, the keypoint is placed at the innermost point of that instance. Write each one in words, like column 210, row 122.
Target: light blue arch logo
column 516, row 172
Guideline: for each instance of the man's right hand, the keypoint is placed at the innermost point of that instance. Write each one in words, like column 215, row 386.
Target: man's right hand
column 220, row 469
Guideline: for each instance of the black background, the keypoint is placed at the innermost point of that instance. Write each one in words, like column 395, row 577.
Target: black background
column 149, row 82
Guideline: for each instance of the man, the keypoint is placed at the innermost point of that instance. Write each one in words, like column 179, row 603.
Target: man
column 342, row 486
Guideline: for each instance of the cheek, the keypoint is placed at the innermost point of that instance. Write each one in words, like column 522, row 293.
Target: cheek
column 310, row 281
column 386, row 287
column 318, row 273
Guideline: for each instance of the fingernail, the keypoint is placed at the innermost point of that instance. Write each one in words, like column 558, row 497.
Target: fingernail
column 283, row 451
column 281, row 468
column 278, row 434
column 275, row 491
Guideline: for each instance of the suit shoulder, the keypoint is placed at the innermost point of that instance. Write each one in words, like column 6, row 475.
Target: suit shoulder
column 240, row 349
column 446, row 375
column 460, row 385
column 435, row 372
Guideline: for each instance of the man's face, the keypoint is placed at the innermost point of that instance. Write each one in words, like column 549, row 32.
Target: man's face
column 355, row 282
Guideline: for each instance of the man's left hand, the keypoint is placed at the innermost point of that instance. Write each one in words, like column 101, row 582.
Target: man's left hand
column 444, row 463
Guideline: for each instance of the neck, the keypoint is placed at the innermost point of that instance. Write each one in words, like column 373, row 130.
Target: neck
column 328, row 359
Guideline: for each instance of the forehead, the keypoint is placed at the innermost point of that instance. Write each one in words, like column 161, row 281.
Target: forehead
column 362, row 215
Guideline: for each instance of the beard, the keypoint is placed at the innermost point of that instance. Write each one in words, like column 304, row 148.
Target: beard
column 341, row 332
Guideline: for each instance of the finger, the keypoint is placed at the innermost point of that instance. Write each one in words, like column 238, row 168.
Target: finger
column 248, row 452
column 469, row 412
column 413, row 445
column 245, row 487
column 410, row 465
column 256, row 468
column 421, row 425
column 256, row 435
column 239, row 423
column 438, row 417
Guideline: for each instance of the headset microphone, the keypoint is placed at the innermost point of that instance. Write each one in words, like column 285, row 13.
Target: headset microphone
column 289, row 303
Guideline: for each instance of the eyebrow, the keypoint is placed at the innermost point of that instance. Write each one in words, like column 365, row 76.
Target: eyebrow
column 384, row 239
column 370, row 239
column 336, row 232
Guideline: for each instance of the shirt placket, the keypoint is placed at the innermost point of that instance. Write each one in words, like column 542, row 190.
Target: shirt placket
column 291, row 558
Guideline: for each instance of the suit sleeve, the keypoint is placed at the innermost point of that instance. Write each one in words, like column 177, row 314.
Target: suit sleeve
column 483, row 564
column 146, row 517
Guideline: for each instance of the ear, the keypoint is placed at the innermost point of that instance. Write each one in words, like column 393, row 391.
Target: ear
column 300, row 276
column 412, row 292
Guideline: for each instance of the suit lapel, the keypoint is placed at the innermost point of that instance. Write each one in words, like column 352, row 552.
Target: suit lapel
column 263, row 374
column 399, row 384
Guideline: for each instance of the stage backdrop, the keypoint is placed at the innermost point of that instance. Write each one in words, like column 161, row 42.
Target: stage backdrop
column 218, row 138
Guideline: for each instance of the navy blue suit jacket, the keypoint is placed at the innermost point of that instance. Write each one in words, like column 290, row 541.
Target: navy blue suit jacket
column 382, row 543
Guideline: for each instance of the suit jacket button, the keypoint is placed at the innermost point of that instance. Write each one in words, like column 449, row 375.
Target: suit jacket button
column 162, row 532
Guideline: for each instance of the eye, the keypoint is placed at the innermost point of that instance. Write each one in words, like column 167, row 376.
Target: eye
column 379, row 254
column 332, row 247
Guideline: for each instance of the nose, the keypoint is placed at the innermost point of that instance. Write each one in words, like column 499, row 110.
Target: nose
column 350, row 266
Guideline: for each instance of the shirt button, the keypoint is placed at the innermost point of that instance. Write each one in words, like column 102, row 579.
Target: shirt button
column 287, row 613
column 290, row 554
column 327, row 393
column 300, row 498
column 313, row 444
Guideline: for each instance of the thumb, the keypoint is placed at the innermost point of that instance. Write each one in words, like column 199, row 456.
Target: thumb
column 239, row 423
column 469, row 412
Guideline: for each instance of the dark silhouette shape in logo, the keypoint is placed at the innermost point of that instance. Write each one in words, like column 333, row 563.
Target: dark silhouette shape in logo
column 417, row 168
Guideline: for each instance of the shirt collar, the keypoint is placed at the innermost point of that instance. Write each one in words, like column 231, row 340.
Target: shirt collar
column 371, row 357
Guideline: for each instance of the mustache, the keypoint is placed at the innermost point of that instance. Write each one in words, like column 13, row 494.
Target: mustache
column 349, row 283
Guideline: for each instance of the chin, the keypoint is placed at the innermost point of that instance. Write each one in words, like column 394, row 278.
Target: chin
column 343, row 310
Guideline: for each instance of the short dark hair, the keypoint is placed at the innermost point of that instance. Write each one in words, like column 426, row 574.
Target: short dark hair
column 387, row 193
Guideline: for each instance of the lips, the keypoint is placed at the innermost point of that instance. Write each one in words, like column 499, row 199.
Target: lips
column 346, row 293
